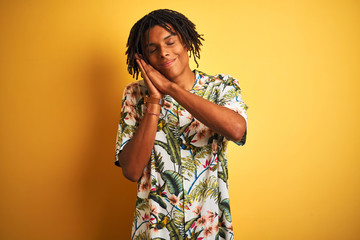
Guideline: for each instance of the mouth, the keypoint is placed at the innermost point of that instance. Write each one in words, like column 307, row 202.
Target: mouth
column 168, row 63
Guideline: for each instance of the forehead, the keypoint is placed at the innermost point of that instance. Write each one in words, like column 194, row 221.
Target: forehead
column 158, row 33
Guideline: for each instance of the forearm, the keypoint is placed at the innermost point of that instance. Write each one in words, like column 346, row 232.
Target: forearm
column 218, row 118
column 136, row 154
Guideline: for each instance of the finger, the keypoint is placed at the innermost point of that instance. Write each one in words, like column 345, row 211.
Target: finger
column 147, row 67
column 143, row 72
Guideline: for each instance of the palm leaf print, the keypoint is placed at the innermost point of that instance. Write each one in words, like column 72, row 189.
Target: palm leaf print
column 194, row 235
column 157, row 162
column 225, row 208
column 203, row 151
column 142, row 236
column 157, row 199
column 173, row 181
column 189, row 165
column 162, row 221
column 183, row 128
column 141, row 205
column 224, row 173
column 178, row 217
column 221, row 233
column 160, row 125
column 190, row 222
column 174, row 231
column 205, row 189
column 171, row 147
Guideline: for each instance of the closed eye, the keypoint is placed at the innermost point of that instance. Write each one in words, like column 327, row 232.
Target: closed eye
column 152, row 50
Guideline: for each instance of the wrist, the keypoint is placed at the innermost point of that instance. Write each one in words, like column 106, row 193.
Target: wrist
column 152, row 109
column 153, row 100
column 172, row 89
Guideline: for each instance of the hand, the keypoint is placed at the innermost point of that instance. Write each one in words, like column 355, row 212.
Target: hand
column 153, row 91
column 156, row 79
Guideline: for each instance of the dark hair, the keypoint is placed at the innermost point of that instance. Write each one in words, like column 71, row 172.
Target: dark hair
column 169, row 20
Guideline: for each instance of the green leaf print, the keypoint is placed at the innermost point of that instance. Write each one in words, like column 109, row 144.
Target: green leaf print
column 157, row 162
column 220, row 233
column 225, row 208
column 224, row 173
column 172, row 146
column 206, row 189
column 141, row 204
column 174, row 231
column 190, row 222
column 162, row 222
column 222, row 176
column 190, row 165
column 183, row 128
column 173, row 181
column 157, row 199
column 142, row 236
column 178, row 217
column 194, row 235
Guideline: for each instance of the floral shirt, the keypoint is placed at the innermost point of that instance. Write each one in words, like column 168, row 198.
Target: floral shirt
column 183, row 191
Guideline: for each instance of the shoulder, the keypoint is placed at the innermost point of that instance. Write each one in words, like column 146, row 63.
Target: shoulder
column 218, row 79
column 227, row 80
column 136, row 89
column 136, row 85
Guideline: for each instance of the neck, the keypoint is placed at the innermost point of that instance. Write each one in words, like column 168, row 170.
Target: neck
column 186, row 80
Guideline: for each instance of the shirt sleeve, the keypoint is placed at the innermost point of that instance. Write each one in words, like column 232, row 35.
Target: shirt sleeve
column 230, row 97
column 131, row 111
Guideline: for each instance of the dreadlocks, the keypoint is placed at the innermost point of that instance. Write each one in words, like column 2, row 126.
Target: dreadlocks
column 172, row 21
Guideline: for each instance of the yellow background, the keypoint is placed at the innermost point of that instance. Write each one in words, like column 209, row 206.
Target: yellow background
column 63, row 71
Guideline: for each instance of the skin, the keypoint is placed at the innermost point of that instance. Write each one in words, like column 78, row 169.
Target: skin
column 169, row 73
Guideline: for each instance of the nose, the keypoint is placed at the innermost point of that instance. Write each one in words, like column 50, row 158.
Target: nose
column 164, row 52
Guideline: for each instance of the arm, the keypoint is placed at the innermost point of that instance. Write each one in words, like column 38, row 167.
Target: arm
column 218, row 118
column 137, row 152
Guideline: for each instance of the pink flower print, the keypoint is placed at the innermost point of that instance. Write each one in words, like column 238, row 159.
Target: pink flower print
column 145, row 217
column 207, row 163
column 145, row 186
column 201, row 221
column 201, row 134
column 210, row 216
column 153, row 209
column 195, row 124
column 216, row 228
column 174, row 199
column 208, row 231
column 197, row 209
column 168, row 105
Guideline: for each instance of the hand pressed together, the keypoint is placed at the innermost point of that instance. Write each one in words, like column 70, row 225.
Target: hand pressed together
column 157, row 83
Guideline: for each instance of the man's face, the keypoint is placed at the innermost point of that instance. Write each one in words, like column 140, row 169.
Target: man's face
column 166, row 52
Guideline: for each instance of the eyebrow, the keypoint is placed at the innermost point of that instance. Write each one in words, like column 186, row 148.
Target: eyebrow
column 152, row 44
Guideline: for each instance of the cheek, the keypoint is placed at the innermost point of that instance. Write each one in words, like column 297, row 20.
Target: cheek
column 152, row 60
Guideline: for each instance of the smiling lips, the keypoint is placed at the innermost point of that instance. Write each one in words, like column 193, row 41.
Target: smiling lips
column 169, row 63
